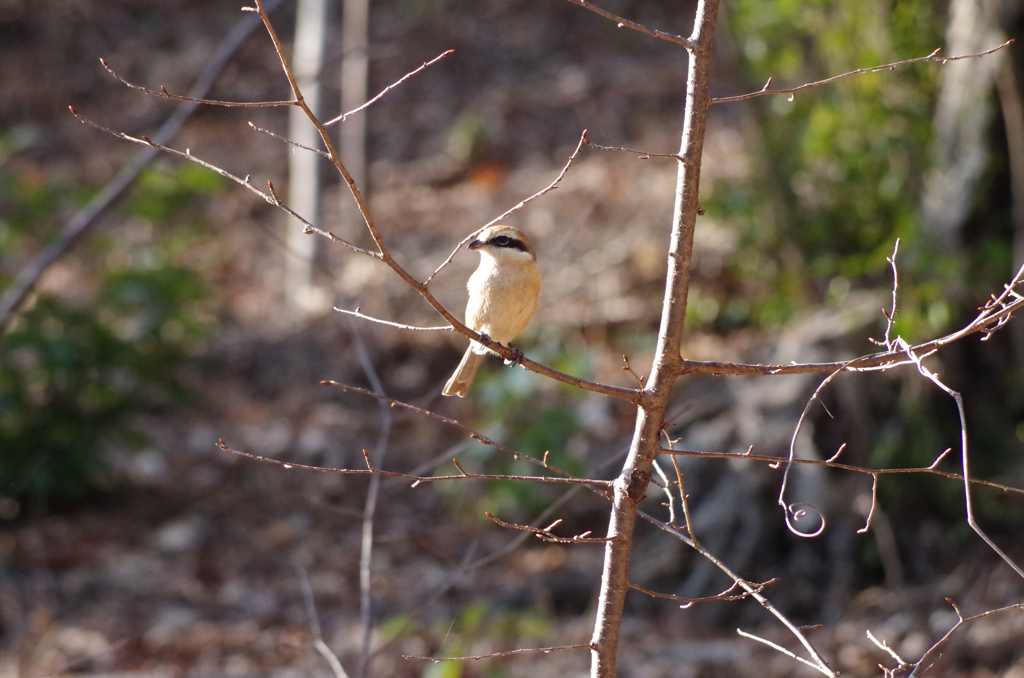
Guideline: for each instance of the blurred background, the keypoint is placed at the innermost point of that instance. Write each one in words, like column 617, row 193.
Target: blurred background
column 190, row 310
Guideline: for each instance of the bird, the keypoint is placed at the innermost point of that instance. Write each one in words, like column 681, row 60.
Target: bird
column 503, row 294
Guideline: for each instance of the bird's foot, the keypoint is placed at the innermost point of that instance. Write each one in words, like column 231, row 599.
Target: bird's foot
column 517, row 356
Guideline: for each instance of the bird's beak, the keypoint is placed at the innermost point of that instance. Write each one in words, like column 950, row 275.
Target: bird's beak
column 476, row 244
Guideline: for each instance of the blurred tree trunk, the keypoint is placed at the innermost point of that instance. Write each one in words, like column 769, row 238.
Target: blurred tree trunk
column 355, row 65
column 962, row 117
column 304, row 167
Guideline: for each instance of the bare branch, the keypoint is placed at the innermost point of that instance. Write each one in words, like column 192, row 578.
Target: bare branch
column 417, row 480
column 494, row 655
column 797, row 631
column 955, row 395
column 890, row 317
column 726, row 595
column 822, row 668
column 874, row 503
column 545, row 534
column 314, row 622
column 285, row 139
column 270, row 196
column 357, row 314
column 626, row 23
column 627, row 368
column 427, row 64
column 789, row 508
column 775, row 462
column 164, row 94
column 961, row 622
column 641, row 155
column 882, row 645
column 934, row 56
column 992, row 317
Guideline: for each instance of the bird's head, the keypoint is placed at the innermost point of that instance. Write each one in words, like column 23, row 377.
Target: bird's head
column 502, row 242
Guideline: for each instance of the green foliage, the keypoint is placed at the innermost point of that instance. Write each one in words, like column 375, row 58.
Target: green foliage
column 480, row 621
column 69, row 381
column 72, row 374
column 838, row 170
column 530, row 424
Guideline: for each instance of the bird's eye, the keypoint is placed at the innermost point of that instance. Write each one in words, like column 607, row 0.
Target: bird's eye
column 502, row 241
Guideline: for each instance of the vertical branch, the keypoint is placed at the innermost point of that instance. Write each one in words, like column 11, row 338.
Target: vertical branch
column 370, row 508
column 631, row 485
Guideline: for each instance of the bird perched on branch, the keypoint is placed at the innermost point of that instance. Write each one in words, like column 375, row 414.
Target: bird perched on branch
column 503, row 294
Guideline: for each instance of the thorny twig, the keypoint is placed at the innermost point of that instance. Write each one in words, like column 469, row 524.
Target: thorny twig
column 545, row 534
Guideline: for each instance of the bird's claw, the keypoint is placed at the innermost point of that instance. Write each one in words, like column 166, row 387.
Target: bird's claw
column 517, row 356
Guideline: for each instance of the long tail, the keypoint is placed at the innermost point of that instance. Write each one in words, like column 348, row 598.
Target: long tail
column 460, row 382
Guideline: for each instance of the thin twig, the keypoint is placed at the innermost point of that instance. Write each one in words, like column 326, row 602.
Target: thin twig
column 989, row 320
column 961, row 622
column 685, row 500
column 775, row 462
column 370, row 507
column 886, row 67
column 546, row 535
column 426, row 64
column 357, row 314
column 285, row 139
column 882, row 645
column 789, row 509
column 726, row 595
column 874, row 502
column 817, row 667
column 270, row 195
column 626, row 23
column 417, row 480
column 626, row 368
column 797, row 631
column 164, row 94
column 494, row 655
column 668, row 491
column 641, row 155
column 955, row 395
column 314, row 622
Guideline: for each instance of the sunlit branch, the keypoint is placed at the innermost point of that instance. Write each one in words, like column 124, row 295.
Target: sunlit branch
column 427, row 64
column 626, row 23
column 934, row 56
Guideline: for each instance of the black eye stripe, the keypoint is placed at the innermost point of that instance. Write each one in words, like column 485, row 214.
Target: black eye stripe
column 506, row 241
